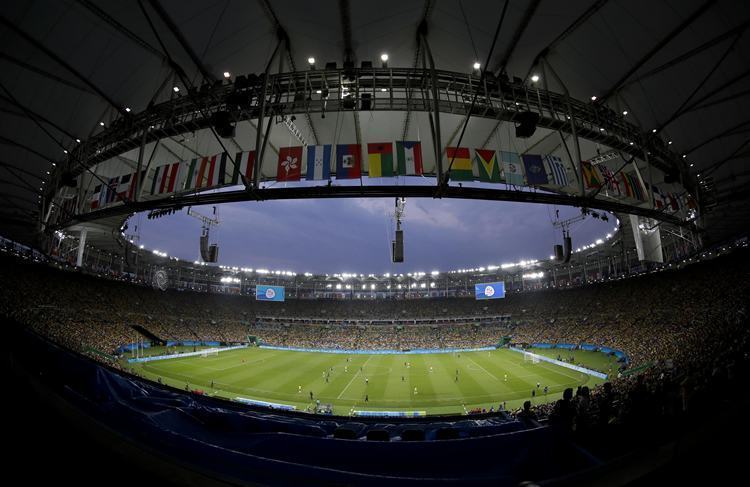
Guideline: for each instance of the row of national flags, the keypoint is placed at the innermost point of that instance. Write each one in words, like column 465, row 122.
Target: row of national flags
column 487, row 165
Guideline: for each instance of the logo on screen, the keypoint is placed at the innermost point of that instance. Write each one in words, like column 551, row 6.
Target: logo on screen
column 489, row 291
column 270, row 293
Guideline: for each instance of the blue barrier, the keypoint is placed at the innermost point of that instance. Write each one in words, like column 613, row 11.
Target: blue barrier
column 565, row 346
column 390, row 414
column 588, row 347
column 182, row 355
column 583, row 346
column 563, row 364
column 542, row 345
column 272, row 405
column 379, row 352
column 191, row 343
column 132, row 346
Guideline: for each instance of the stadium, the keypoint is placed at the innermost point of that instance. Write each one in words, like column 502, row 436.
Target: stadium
column 335, row 242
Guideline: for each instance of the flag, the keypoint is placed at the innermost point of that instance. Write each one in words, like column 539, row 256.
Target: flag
column 673, row 201
column 489, row 169
column 635, row 185
column 591, row 176
column 94, row 201
column 224, row 169
column 559, row 174
column 627, row 189
column 461, row 169
column 205, row 169
column 380, row 160
column 348, row 161
column 111, row 190
column 611, row 182
column 165, row 178
column 290, row 164
column 512, row 169
column 123, row 186
column 409, row 155
column 535, row 171
column 191, row 176
column 318, row 162
column 659, row 199
column 244, row 163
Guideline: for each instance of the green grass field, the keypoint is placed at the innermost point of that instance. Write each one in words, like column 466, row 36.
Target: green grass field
column 396, row 382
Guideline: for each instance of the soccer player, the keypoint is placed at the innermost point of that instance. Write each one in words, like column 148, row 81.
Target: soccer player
column 367, row 381
column 299, row 389
column 415, row 391
column 505, row 377
column 402, row 378
column 212, row 384
column 537, row 385
column 546, row 390
column 311, row 395
column 367, row 398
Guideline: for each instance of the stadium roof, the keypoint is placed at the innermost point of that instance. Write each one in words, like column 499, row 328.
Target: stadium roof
column 678, row 67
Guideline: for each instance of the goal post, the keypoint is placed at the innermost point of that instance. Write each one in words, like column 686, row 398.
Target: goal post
column 530, row 358
column 209, row 352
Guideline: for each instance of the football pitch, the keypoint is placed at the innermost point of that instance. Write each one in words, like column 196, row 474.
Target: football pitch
column 439, row 383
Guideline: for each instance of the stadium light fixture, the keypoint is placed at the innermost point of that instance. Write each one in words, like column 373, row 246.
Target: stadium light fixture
column 534, row 78
column 384, row 59
column 176, row 89
column 593, row 98
column 477, row 65
column 311, row 62
column 101, row 123
column 624, row 113
column 78, row 140
column 227, row 74
column 653, row 131
column 435, row 273
column 65, row 151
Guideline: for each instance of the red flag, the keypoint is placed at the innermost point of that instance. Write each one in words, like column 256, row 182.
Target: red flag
column 290, row 164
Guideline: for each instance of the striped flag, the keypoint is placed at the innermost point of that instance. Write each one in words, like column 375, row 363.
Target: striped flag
column 165, row 178
column 95, row 196
column 512, row 169
column 110, row 193
column 244, row 163
column 635, row 185
column 290, row 164
column 348, row 161
column 205, row 172
column 489, row 169
column 409, row 157
column 123, row 186
column 224, row 169
column 191, row 175
column 559, row 174
column 318, row 162
column 380, row 160
column 461, row 169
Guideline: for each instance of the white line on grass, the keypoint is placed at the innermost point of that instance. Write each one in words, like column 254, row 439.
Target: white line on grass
column 485, row 370
column 355, row 376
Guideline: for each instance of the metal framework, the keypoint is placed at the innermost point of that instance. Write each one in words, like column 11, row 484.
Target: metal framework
column 295, row 92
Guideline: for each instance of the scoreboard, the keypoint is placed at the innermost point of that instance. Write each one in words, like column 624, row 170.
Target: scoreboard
column 269, row 293
column 489, row 290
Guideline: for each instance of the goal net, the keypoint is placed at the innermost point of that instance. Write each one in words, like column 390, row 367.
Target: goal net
column 530, row 358
column 209, row 353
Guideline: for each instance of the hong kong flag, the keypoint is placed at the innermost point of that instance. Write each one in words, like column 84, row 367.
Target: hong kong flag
column 290, row 164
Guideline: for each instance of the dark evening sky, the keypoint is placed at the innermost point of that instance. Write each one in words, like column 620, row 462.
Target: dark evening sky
column 353, row 235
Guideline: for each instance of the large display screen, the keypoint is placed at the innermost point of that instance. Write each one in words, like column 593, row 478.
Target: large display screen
column 490, row 290
column 269, row 293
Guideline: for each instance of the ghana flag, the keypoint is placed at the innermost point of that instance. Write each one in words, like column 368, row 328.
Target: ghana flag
column 380, row 160
column 461, row 169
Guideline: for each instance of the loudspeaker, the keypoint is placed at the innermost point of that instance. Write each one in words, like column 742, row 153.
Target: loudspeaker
column 568, row 249
column 204, row 248
column 222, row 121
column 559, row 253
column 348, row 102
column 397, row 247
column 526, row 124
column 213, row 253
column 366, row 101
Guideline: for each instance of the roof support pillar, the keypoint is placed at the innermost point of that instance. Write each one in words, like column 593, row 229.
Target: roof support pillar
column 260, row 141
column 435, row 107
column 578, row 164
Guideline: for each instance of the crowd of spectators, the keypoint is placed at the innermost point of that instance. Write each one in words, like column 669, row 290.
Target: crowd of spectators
column 687, row 328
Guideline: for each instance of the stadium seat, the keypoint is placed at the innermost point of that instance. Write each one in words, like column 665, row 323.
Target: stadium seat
column 344, row 434
column 378, row 435
column 412, row 435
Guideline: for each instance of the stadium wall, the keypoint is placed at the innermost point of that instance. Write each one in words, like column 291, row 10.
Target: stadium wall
column 182, row 355
column 379, row 352
column 563, row 364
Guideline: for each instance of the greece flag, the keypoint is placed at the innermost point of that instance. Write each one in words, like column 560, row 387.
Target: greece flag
column 318, row 162
column 489, row 290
